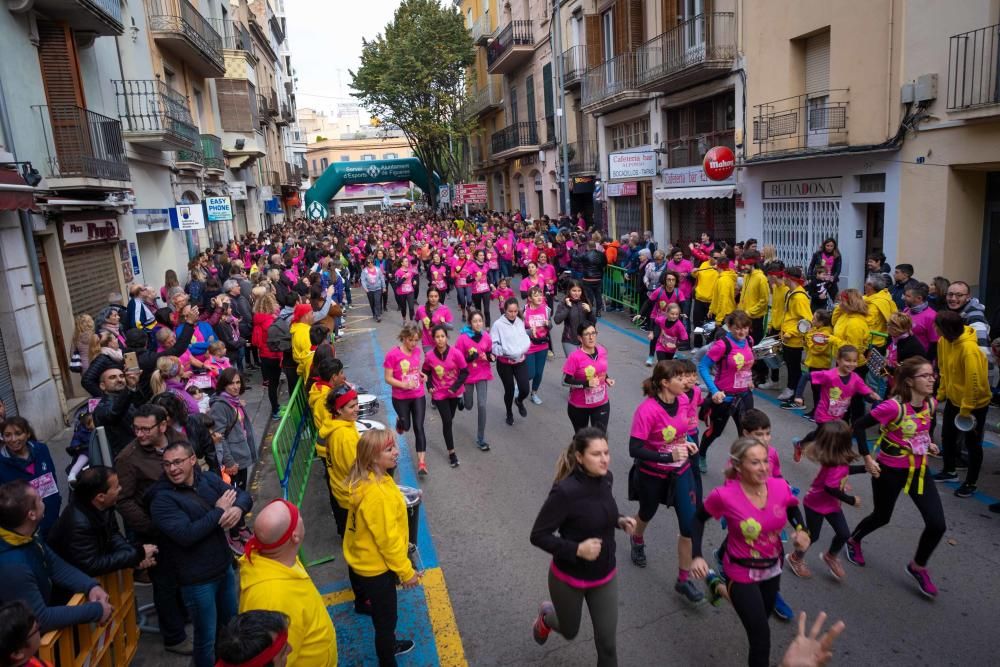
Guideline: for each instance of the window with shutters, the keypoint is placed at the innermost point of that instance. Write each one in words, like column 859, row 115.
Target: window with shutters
column 693, row 129
column 547, row 90
column 237, row 104
column 817, row 88
column 529, row 89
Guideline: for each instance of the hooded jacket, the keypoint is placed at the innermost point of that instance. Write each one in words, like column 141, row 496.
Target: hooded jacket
column 964, row 380
column 302, row 351
column 753, row 298
column 267, row 584
column 705, row 277
column 341, row 438
column 510, row 339
column 43, row 470
column 852, row 329
column 880, row 308
column 724, row 295
column 376, row 540
column 317, row 406
column 797, row 307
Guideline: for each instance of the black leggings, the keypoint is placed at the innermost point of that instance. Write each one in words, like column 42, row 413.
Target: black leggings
column 380, row 592
column 291, row 376
column 411, row 412
column 481, row 302
column 270, row 369
column 814, row 522
column 885, row 490
column 719, row 414
column 446, row 409
column 582, row 417
column 753, row 604
column 406, row 305
column 952, row 438
column 509, row 373
column 793, row 361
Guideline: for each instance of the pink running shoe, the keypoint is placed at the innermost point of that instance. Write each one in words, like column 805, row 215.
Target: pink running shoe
column 854, row 553
column 539, row 630
column 923, row 579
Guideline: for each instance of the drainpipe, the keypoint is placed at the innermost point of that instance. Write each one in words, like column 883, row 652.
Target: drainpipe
column 561, row 111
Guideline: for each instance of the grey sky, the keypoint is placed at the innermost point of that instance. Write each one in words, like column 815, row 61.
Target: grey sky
column 325, row 37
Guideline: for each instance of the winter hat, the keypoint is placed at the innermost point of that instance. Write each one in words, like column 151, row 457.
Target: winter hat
column 301, row 310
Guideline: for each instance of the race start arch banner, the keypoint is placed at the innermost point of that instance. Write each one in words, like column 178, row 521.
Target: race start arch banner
column 339, row 174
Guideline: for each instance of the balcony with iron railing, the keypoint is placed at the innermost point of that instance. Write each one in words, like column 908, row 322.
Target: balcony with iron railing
column 211, row 150
column 191, row 159
column 485, row 99
column 100, row 17
column 611, row 85
column 272, row 178
column 690, row 151
column 272, row 104
column 513, row 140
column 810, row 123
column 235, row 36
column 181, row 29
column 550, row 138
column 293, row 177
column 477, row 156
column 584, row 157
column 574, row 65
column 83, row 149
column 696, row 50
column 285, row 117
column 153, row 114
column 512, row 47
column 974, row 69
column 481, row 31
column 263, row 111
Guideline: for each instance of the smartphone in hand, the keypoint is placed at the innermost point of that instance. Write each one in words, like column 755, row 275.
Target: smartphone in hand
column 131, row 361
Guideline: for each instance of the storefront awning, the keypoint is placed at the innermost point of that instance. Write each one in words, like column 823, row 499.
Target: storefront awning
column 15, row 194
column 704, row 192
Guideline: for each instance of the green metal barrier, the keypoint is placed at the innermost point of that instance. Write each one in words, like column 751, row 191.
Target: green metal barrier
column 294, row 450
column 621, row 288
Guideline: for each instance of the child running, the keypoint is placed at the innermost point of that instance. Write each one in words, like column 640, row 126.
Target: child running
column 669, row 330
column 820, row 346
column 833, row 450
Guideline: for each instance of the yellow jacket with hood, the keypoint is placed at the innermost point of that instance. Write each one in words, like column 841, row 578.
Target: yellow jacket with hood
column 302, row 351
column 796, row 308
column 724, row 296
column 880, row 308
column 317, row 405
column 753, row 298
column 341, row 439
column 705, row 277
column 821, row 348
column 778, row 293
column 267, row 584
column 852, row 329
column 964, row 374
column 377, row 536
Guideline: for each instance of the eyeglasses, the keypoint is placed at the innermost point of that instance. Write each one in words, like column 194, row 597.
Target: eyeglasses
column 589, row 333
column 145, row 429
column 176, row 463
column 927, row 376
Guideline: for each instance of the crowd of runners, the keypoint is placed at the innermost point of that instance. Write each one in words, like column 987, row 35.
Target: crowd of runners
column 483, row 298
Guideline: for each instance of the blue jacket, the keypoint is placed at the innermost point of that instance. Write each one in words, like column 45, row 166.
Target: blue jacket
column 188, row 521
column 12, row 467
column 29, row 572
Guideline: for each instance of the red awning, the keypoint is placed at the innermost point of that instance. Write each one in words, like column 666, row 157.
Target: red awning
column 13, row 199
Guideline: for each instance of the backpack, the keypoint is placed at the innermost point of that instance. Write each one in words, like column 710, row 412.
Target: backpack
column 279, row 334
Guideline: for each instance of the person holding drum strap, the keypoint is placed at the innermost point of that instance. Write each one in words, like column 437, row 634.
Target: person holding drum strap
column 797, row 308
column 730, row 387
column 446, row 371
column 401, row 371
column 586, row 374
column 905, row 441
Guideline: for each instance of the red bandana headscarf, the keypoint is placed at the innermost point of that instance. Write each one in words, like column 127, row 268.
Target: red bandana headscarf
column 254, row 544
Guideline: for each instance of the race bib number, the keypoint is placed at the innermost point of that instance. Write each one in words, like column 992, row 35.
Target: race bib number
column 669, row 342
column 743, row 379
column 920, row 443
column 45, row 485
column 405, row 287
column 838, row 408
column 764, row 575
column 201, row 381
column 595, row 395
column 411, row 379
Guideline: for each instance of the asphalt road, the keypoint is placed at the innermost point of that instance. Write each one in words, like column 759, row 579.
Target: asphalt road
column 480, row 516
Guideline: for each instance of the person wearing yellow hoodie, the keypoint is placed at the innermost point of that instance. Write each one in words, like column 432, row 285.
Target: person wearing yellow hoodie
column 339, row 433
column 330, row 375
column 850, row 326
column 273, row 578
column 724, row 293
column 965, row 391
column 821, row 346
column 775, row 272
column 753, row 301
column 797, row 308
column 705, row 277
column 376, row 543
column 880, row 307
column 302, row 348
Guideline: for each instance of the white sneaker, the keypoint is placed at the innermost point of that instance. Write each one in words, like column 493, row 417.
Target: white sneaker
column 649, row 361
column 785, row 394
column 536, row 399
column 770, row 384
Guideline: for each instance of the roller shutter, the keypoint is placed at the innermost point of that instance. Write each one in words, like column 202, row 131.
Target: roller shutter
column 818, row 64
column 92, row 274
column 6, row 384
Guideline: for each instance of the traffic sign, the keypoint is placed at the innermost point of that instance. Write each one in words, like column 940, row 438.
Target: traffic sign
column 317, row 211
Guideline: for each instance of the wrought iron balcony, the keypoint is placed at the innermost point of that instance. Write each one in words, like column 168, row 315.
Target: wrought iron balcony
column 701, row 48
column 804, row 123
column 485, row 99
column 101, row 17
column 181, row 29
column 293, row 178
column 512, row 47
column 82, row 148
column 154, row 115
column 574, row 65
column 550, row 137
column 611, row 85
column 272, row 104
column 583, row 157
column 516, row 139
column 263, row 111
column 191, row 158
column 480, row 30
column 211, row 150
column 272, row 178
column 973, row 74
column 235, row 36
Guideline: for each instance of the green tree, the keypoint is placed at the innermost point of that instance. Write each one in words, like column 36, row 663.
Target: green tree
column 413, row 76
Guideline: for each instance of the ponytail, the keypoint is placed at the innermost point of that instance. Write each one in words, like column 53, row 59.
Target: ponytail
column 157, row 383
column 567, row 464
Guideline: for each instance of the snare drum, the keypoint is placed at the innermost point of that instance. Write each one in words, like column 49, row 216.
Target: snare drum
column 367, row 405
column 413, row 498
column 769, row 351
column 368, row 424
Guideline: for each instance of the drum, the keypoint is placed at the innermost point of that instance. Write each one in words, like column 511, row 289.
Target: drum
column 357, row 387
column 368, row 424
column 413, row 498
column 367, row 405
column 768, row 351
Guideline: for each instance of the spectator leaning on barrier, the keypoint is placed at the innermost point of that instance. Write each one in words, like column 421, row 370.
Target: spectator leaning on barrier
column 32, row 570
column 86, row 534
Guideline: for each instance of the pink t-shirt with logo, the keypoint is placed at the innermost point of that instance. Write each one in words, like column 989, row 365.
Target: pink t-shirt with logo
column 536, row 321
column 695, row 400
column 671, row 333
column 817, row 499
column 427, row 321
column 405, row 278
column 581, row 366
column 527, row 283
column 438, row 274
column 661, row 433
column 405, row 368
column 923, row 326
column 444, row 372
column 460, row 270
column 912, row 432
column 478, row 277
column 734, row 374
column 547, row 274
column 752, row 532
column 479, row 364
column 835, row 394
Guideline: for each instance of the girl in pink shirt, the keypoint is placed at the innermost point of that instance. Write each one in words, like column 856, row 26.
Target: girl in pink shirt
column 530, row 280
column 401, row 371
column 460, row 266
column 833, row 451
column 405, row 296
column 538, row 323
column 586, row 374
column 502, row 293
column 431, row 314
column 447, row 371
column 479, row 282
column 476, row 346
column 668, row 332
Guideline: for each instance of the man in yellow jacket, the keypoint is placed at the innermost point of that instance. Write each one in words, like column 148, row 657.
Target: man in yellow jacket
column 302, row 347
column 965, row 390
column 880, row 307
column 755, row 293
column 796, row 308
column 273, row 578
column 724, row 294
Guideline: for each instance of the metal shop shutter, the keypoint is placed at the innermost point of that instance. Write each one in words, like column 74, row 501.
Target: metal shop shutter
column 91, row 273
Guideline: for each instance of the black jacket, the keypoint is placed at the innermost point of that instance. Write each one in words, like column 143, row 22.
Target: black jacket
column 578, row 507
column 188, row 521
column 592, row 265
column 88, row 538
column 572, row 316
column 114, row 413
column 91, row 380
